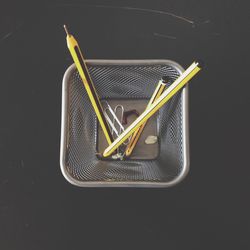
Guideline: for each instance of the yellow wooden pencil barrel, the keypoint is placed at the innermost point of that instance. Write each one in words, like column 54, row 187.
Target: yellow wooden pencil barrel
column 180, row 82
column 136, row 135
column 88, row 84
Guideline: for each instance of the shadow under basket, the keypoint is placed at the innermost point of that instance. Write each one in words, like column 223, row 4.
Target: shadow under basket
column 125, row 80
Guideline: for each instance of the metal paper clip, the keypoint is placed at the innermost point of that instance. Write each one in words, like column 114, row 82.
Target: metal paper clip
column 114, row 118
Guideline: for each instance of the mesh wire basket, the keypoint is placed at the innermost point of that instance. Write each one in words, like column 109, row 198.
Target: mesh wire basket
column 123, row 80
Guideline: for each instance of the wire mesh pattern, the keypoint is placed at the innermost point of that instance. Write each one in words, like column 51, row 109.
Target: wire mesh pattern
column 120, row 81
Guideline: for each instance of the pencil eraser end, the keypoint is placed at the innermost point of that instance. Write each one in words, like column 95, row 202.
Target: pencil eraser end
column 105, row 154
column 166, row 79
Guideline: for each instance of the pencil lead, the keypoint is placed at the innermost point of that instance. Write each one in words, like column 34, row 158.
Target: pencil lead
column 66, row 29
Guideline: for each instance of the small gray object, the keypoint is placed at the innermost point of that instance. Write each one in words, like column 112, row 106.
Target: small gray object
column 151, row 139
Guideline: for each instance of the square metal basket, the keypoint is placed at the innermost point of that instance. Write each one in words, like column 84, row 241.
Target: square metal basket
column 122, row 80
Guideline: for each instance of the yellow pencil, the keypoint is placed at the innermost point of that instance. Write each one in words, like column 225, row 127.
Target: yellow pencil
column 180, row 82
column 88, row 84
column 136, row 135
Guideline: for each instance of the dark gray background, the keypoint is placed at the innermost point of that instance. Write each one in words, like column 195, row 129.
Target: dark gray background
column 208, row 210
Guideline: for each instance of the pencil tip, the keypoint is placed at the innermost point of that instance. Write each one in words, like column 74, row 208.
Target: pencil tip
column 66, row 29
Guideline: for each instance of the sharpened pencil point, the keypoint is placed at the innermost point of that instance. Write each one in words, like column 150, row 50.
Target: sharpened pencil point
column 66, row 29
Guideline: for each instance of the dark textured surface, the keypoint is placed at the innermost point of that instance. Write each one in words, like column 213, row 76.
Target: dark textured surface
column 208, row 210
column 121, row 81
